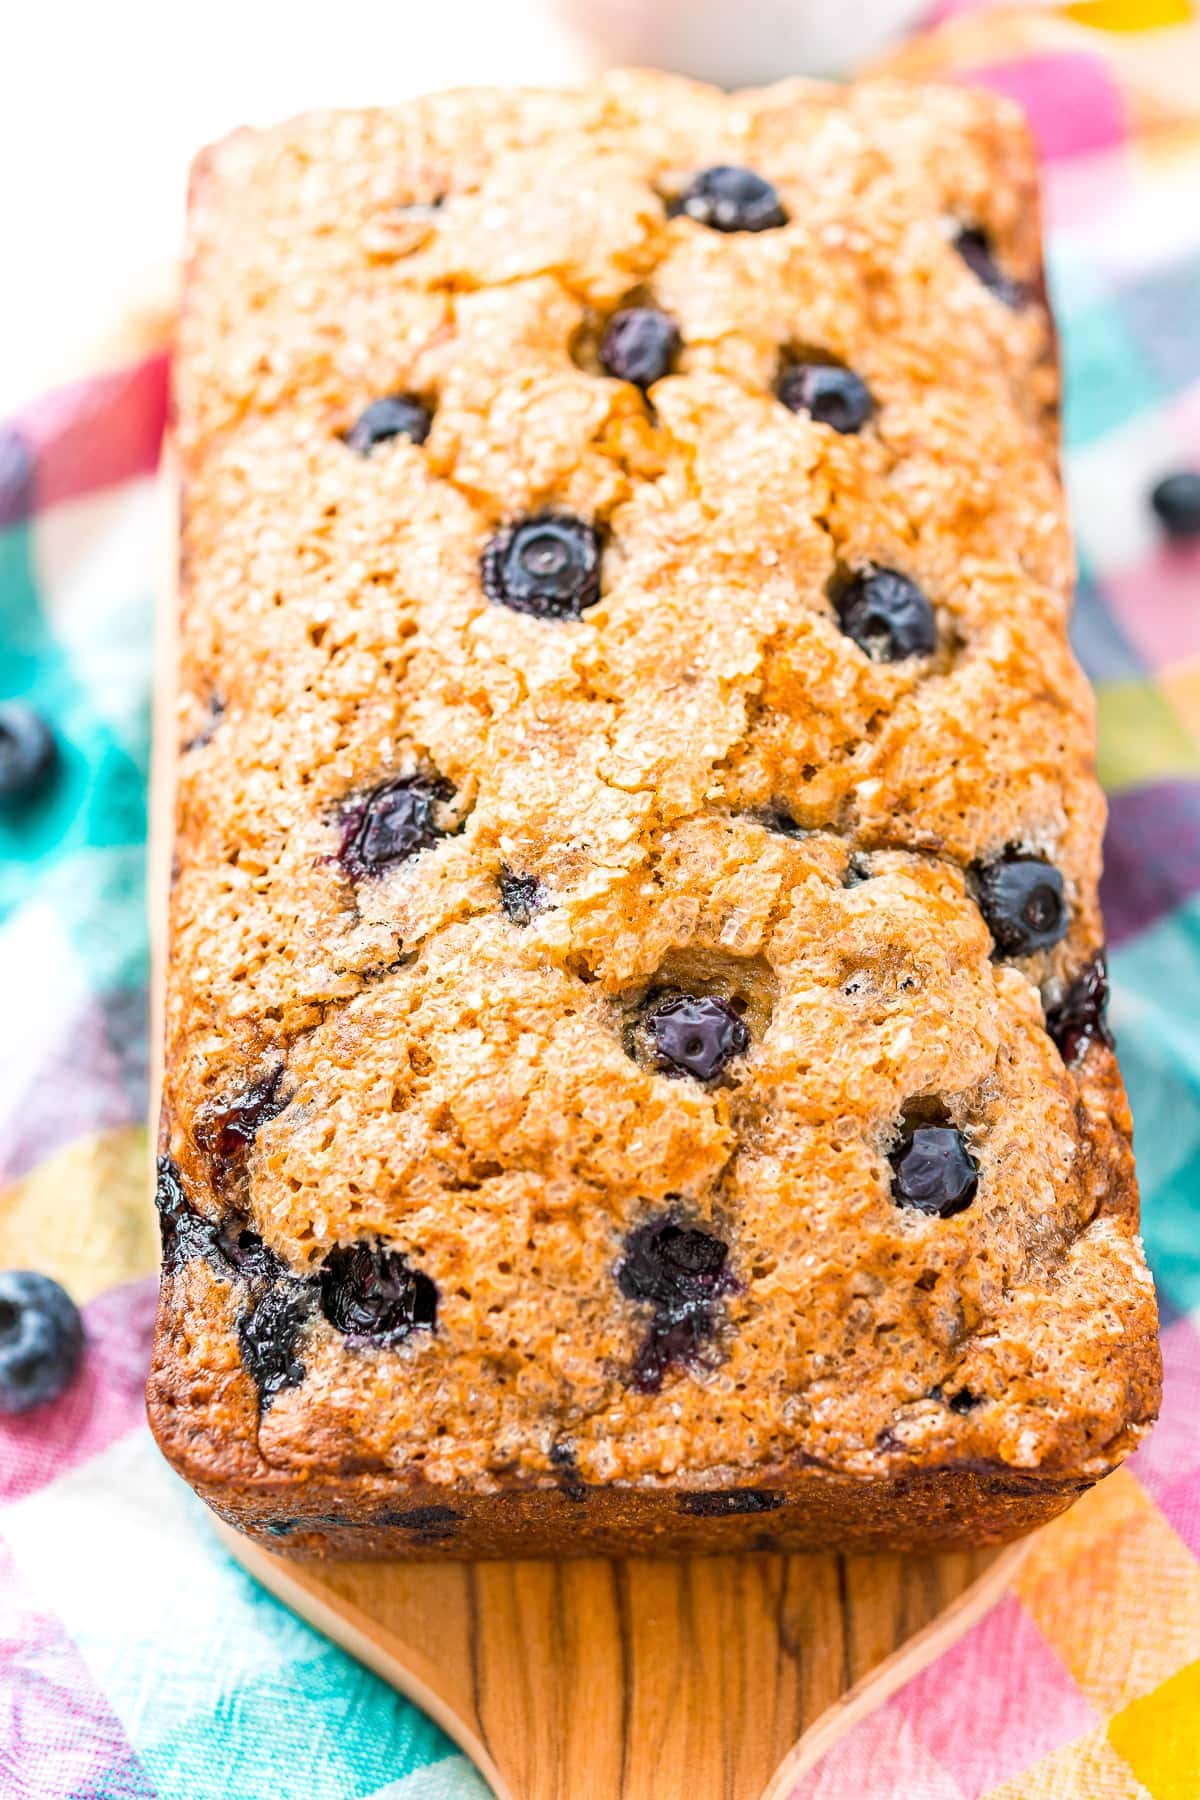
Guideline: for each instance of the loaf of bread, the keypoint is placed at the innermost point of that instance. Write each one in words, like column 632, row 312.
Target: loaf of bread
column 637, row 1075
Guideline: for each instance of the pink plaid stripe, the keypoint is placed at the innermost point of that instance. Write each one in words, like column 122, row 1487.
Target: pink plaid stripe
column 880, row 1760
column 95, row 433
column 1023, row 1702
column 1155, row 605
column 58, row 1735
column 1168, row 1465
column 1070, row 98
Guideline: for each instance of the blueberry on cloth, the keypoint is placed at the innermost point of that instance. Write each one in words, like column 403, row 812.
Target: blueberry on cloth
column 1021, row 898
column 933, row 1171
column 728, row 198
column 41, row 1340
column 639, row 345
column 887, row 615
column 830, row 394
column 373, row 1295
column 1176, row 500
column 398, row 415
column 548, row 566
column 696, row 1034
column 28, row 751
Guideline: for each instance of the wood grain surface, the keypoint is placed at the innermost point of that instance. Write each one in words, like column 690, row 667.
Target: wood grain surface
column 719, row 1678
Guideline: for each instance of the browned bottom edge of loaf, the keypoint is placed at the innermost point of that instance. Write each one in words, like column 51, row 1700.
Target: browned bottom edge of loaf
column 809, row 1510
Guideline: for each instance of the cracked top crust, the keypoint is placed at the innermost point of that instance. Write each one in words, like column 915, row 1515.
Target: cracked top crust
column 702, row 783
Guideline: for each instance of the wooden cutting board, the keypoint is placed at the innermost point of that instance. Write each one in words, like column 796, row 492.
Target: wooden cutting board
column 717, row 1678
column 710, row 1678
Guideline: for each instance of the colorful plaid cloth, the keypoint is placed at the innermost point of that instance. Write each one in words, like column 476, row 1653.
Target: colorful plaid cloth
column 135, row 1658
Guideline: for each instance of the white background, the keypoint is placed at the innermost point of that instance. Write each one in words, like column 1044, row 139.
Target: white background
column 103, row 103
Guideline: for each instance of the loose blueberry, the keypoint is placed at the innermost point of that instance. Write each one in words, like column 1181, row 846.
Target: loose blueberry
column 832, row 395
column 41, row 1340
column 521, row 896
column 1176, row 500
column 393, row 823
column 696, row 1034
column 28, row 751
column 399, row 415
column 887, row 616
column 639, row 345
column 268, row 1333
column 226, row 1129
column 373, row 1296
column 682, row 1273
column 731, row 199
column 548, row 566
column 185, row 1232
column 975, row 247
column 1021, row 898
column 1079, row 1021
column 730, row 1500
column 933, row 1171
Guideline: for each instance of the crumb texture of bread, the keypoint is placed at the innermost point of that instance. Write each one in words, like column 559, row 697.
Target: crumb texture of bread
column 596, row 890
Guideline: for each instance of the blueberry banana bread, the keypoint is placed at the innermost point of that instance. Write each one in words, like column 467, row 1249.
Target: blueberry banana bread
column 637, row 1074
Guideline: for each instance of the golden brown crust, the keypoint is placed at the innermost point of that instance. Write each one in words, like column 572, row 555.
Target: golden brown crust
column 460, row 1086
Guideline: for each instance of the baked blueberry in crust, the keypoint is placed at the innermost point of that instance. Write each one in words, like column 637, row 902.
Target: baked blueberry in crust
column 548, row 567
column 521, row 896
column 682, row 1272
column 828, row 393
column 887, row 615
column 640, row 345
column 225, row 1129
column 933, row 1171
column 185, row 1233
column 695, row 1034
column 975, row 247
column 1080, row 1018
column 372, row 1295
column 269, row 1331
column 729, row 198
column 721, row 1503
column 396, row 415
column 391, row 824
column 1022, row 901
